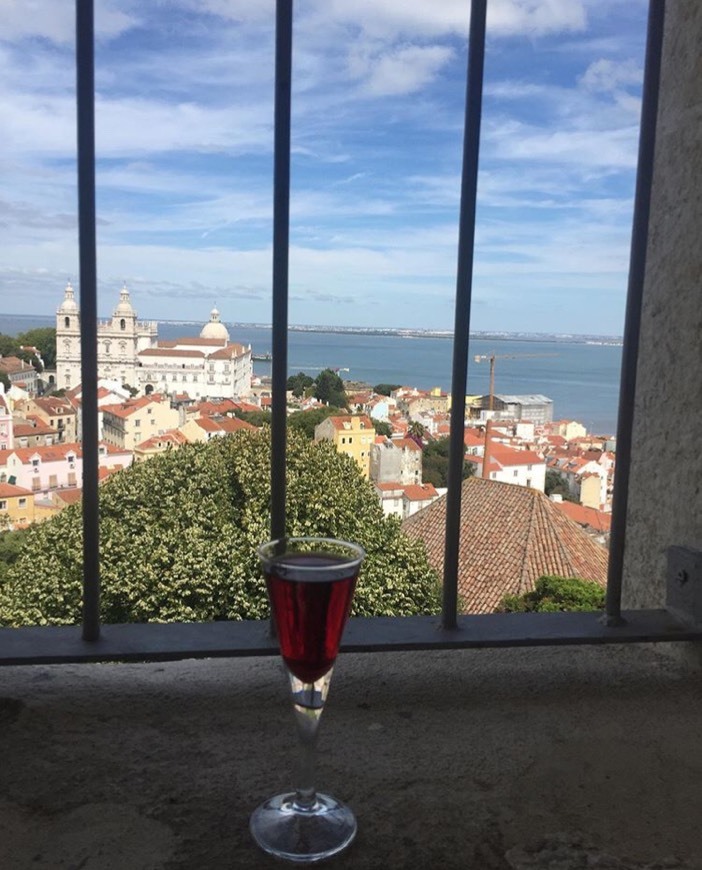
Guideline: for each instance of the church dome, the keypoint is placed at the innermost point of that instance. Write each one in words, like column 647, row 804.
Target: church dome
column 124, row 307
column 214, row 328
column 69, row 304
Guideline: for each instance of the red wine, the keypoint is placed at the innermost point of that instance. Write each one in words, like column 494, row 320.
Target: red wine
column 310, row 614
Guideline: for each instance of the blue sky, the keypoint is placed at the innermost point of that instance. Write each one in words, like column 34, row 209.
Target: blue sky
column 184, row 138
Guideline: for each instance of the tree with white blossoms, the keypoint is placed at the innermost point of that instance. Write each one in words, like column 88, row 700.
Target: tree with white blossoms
column 178, row 538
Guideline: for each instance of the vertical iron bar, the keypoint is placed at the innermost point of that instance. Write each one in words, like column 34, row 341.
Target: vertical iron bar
column 632, row 321
column 85, row 90
column 464, row 290
column 281, row 239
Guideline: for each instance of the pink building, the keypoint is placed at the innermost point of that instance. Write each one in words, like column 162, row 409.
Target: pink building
column 44, row 469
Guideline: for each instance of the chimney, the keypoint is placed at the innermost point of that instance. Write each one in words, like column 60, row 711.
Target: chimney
column 486, row 452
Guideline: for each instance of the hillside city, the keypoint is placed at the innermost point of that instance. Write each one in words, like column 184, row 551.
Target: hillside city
column 544, row 484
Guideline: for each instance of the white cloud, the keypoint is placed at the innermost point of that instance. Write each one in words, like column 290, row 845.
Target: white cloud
column 55, row 21
column 400, row 70
column 606, row 75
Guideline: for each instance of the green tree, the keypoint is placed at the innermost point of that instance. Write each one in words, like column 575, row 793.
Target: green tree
column 305, row 421
column 256, row 418
column 11, row 544
column 329, row 388
column 178, row 538
column 382, row 428
column 44, row 339
column 435, row 459
column 553, row 594
column 385, row 389
column 8, row 345
column 299, row 383
column 5, row 381
column 556, row 485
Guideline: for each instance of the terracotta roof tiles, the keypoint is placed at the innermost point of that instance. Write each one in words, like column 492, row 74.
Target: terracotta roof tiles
column 510, row 536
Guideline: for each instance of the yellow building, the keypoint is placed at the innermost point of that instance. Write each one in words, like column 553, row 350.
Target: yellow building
column 352, row 435
column 128, row 424
column 16, row 506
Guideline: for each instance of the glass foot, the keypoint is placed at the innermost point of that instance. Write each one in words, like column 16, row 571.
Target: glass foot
column 296, row 832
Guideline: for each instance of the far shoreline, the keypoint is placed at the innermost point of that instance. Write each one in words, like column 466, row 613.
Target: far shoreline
column 480, row 335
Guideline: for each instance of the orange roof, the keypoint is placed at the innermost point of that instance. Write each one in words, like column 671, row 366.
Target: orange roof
column 159, row 351
column 338, row 422
column 507, row 457
column 222, row 424
column 70, row 496
column 170, row 436
column 54, row 405
column 420, row 491
column 194, row 340
column 228, row 352
column 586, row 516
column 471, row 439
column 407, row 444
column 24, row 430
column 130, row 406
column 9, row 490
column 54, row 453
column 509, row 537
column 209, row 407
column 388, row 487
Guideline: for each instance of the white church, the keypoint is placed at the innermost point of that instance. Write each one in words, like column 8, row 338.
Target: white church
column 209, row 366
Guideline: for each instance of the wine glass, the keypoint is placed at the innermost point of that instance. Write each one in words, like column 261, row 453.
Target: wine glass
column 310, row 584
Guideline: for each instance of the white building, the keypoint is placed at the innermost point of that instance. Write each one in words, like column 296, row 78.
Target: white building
column 207, row 366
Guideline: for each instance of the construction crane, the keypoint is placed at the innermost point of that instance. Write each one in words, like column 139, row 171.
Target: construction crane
column 482, row 357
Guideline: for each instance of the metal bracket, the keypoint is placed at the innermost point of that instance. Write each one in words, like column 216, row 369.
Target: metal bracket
column 684, row 585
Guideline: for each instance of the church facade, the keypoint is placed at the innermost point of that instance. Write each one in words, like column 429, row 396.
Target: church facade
column 208, row 366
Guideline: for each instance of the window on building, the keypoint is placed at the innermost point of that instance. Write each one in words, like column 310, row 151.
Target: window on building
column 137, row 424
column 35, row 464
column 67, row 322
column 71, row 478
column 516, row 472
column 53, row 481
column 3, row 505
column 123, row 324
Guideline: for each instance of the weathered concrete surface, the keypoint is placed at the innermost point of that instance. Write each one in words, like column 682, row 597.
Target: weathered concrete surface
column 665, row 493
column 450, row 760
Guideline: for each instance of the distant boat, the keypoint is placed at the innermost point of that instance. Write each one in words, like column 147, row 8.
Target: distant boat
column 262, row 357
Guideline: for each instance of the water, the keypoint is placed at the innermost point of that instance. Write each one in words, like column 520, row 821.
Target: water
column 581, row 379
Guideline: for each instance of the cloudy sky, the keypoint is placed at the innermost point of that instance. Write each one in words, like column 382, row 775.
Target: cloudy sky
column 184, row 141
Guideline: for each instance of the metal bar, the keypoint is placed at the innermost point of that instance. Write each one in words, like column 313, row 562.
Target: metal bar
column 632, row 321
column 281, row 237
column 174, row 641
column 85, row 89
column 464, row 292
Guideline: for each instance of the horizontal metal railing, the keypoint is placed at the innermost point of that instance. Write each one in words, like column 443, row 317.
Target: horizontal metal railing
column 180, row 640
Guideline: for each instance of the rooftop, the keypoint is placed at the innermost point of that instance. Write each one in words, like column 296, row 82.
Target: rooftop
column 510, row 536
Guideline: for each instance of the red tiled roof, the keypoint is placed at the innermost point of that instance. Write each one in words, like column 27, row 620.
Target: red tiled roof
column 506, row 456
column 420, row 491
column 9, row 490
column 55, row 406
column 228, row 352
column 586, row 516
column 510, row 536
column 196, row 341
column 25, row 430
column 130, row 406
column 54, row 453
column 70, row 496
column 159, row 351
column 407, row 443
column 338, row 422
column 170, row 436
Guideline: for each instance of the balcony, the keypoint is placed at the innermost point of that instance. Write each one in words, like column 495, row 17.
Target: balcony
column 450, row 759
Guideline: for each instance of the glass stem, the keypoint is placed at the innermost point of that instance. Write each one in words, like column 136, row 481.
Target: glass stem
column 307, row 727
column 308, row 706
